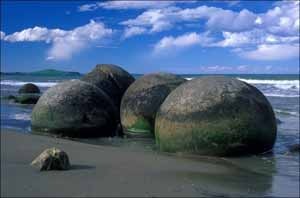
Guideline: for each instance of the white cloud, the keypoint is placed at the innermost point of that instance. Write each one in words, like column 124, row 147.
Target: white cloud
column 242, row 68
column 273, row 35
column 132, row 31
column 219, row 68
column 2, row 35
column 246, row 69
column 228, row 20
column 268, row 46
column 154, row 20
column 216, row 69
column 282, row 20
column 253, row 37
column 88, row 7
column 121, row 5
column 183, row 41
column 232, row 3
column 135, row 4
column 35, row 34
column 272, row 52
column 157, row 20
column 258, row 21
column 232, row 39
column 65, row 43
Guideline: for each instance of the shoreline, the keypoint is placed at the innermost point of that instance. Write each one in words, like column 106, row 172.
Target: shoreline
column 99, row 170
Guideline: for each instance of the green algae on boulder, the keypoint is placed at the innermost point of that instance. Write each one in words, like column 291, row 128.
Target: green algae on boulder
column 9, row 97
column 75, row 109
column 29, row 88
column 27, row 98
column 23, row 98
column 142, row 100
column 215, row 116
column 112, row 79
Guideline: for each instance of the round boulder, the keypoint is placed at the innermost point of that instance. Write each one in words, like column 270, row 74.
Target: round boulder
column 75, row 109
column 142, row 100
column 215, row 116
column 29, row 88
column 112, row 79
column 27, row 98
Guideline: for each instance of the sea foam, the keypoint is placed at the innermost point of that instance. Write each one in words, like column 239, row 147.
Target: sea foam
column 281, row 84
column 275, row 88
column 21, row 116
column 20, row 83
column 282, row 95
column 286, row 112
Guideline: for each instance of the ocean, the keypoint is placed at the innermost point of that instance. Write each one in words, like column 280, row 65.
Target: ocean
column 281, row 90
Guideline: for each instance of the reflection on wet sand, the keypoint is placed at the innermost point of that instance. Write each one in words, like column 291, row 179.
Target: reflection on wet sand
column 249, row 176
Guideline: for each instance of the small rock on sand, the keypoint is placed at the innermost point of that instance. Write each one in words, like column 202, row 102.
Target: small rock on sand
column 52, row 159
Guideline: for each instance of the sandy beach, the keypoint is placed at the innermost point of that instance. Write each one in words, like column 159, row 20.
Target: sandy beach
column 122, row 171
column 146, row 98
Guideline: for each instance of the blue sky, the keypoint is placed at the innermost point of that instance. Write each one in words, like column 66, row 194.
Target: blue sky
column 147, row 36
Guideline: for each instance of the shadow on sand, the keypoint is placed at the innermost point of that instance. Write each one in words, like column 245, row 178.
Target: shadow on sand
column 81, row 167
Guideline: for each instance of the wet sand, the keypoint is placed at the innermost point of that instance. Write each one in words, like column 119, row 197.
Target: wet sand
column 121, row 171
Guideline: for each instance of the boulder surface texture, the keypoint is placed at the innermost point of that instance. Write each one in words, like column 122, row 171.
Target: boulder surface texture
column 112, row 79
column 75, row 109
column 143, row 98
column 215, row 116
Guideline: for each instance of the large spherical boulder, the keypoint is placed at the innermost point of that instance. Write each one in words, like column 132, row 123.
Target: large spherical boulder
column 215, row 116
column 27, row 98
column 75, row 109
column 112, row 79
column 29, row 88
column 142, row 100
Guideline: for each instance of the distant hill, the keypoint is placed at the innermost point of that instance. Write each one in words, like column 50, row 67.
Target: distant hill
column 46, row 72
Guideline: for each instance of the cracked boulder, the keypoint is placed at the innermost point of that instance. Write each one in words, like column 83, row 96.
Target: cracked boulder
column 75, row 109
column 215, row 116
column 52, row 159
column 112, row 79
column 142, row 100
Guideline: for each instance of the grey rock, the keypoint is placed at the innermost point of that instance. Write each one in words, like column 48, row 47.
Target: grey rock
column 52, row 159
column 143, row 98
column 112, row 79
column 75, row 109
column 27, row 98
column 215, row 116
column 29, row 88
